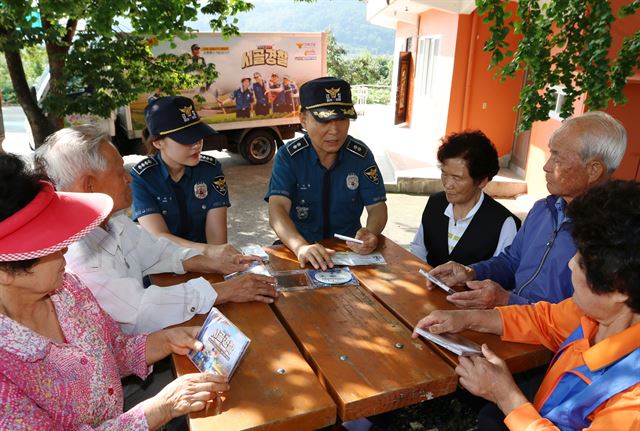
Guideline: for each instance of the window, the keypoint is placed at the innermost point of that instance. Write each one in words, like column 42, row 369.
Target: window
column 560, row 99
column 428, row 50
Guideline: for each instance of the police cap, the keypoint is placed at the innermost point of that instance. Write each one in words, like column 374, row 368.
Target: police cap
column 327, row 99
column 175, row 117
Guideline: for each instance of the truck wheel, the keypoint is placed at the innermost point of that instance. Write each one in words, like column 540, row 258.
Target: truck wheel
column 258, row 147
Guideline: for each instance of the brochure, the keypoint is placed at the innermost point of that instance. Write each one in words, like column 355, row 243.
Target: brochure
column 224, row 345
column 455, row 343
column 254, row 268
column 350, row 258
column 256, row 250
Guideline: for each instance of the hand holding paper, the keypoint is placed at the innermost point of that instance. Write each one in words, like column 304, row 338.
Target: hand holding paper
column 348, row 238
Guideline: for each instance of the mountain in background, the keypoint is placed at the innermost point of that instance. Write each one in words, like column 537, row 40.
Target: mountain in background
column 345, row 18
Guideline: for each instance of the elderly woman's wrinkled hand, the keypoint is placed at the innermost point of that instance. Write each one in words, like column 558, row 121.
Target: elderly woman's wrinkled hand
column 489, row 377
column 440, row 321
column 186, row 394
column 182, row 339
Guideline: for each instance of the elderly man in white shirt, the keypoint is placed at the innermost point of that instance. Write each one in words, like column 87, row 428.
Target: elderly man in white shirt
column 113, row 259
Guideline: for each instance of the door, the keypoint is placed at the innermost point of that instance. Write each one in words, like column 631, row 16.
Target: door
column 402, row 93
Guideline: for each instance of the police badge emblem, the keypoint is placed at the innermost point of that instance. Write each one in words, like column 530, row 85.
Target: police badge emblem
column 372, row 173
column 220, row 185
column 200, row 190
column 302, row 211
column 352, row 181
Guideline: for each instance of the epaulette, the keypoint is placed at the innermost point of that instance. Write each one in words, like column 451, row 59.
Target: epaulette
column 297, row 145
column 357, row 147
column 208, row 159
column 145, row 164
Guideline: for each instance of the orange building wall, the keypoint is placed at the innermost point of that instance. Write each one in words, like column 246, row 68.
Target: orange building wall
column 459, row 87
column 491, row 102
column 538, row 155
column 434, row 22
column 629, row 116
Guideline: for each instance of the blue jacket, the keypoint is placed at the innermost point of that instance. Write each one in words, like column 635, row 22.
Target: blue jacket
column 535, row 266
column 580, row 391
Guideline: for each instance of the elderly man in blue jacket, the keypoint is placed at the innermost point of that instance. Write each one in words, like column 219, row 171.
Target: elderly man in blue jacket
column 584, row 151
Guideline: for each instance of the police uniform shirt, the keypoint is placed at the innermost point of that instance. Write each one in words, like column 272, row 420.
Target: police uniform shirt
column 354, row 182
column 201, row 188
column 259, row 92
column 243, row 98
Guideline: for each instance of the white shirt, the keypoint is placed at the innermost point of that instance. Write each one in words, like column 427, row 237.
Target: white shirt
column 457, row 229
column 112, row 264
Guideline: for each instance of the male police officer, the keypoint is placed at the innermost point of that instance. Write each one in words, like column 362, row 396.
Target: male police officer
column 321, row 182
column 243, row 96
column 261, row 106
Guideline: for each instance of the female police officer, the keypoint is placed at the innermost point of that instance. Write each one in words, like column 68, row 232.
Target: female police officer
column 178, row 192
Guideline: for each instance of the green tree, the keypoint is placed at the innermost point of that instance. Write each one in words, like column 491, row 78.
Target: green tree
column 363, row 69
column 566, row 44
column 337, row 62
column 98, row 66
column 35, row 62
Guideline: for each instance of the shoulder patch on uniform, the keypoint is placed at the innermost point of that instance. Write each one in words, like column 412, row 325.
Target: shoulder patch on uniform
column 372, row 173
column 208, row 159
column 220, row 185
column 145, row 164
column 296, row 146
column 357, row 147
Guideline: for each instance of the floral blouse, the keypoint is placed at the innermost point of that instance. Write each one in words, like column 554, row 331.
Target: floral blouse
column 75, row 385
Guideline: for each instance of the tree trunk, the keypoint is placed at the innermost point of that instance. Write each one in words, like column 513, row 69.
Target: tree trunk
column 1, row 125
column 41, row 127
column 57, row 53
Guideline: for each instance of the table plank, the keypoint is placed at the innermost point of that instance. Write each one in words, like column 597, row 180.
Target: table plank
column 350, row 340
column 260, row 398
column 401, row 288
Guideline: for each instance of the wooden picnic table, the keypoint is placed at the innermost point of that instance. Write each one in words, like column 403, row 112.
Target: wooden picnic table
column 363, row 355
column 400, row 287
column 274, row 388
column 357, row 341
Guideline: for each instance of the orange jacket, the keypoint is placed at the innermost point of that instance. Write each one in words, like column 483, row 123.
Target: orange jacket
column 550, row 324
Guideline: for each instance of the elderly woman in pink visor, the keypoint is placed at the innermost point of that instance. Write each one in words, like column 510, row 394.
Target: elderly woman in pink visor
column 61, row 356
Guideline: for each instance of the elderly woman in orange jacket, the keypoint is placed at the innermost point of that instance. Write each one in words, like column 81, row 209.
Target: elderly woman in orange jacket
column 593, row 381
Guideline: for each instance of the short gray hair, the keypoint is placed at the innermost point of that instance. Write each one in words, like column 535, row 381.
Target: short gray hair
column 600, row 135
column 71, row 152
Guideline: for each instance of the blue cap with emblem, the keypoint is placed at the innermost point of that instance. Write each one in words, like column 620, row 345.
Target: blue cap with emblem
column 327, row 99
column 175, row 117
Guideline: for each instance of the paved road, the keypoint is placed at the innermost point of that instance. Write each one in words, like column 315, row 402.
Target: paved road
column 13, row 119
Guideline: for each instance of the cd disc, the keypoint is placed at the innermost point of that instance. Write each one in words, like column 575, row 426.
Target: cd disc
column 338, row 276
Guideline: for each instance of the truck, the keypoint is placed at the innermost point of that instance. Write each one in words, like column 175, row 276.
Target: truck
column 277, row 62
column 274, row 64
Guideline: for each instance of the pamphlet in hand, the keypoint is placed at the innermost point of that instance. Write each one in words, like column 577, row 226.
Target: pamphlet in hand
column 436, row 281
column 224, row 345
column 455, row 343
column 254, row 268
column 350, row 258
column 255, row 250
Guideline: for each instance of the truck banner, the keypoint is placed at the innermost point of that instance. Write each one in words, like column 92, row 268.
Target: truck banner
column 259, row 76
